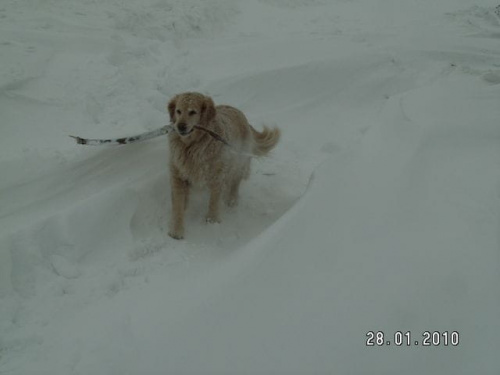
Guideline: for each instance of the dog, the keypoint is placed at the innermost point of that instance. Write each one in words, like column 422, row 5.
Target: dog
column 197, row 158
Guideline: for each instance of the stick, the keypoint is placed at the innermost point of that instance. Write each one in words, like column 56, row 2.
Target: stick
column 152, row 134
column 123, row 141
column 213, row 134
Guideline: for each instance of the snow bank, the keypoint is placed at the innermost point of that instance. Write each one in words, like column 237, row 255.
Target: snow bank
column 378, row 212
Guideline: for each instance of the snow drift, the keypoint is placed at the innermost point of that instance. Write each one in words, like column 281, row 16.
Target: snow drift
column 378, row 211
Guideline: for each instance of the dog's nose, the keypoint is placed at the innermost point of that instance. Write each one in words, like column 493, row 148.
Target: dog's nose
column 181, row 127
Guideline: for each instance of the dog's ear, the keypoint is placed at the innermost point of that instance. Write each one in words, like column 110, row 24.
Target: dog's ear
column 207, row 110
column 171, row 108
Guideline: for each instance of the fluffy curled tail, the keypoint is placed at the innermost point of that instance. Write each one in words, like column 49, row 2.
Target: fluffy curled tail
column 264, row 141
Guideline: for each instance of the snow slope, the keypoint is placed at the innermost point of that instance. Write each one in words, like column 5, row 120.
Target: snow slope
column 379, row 210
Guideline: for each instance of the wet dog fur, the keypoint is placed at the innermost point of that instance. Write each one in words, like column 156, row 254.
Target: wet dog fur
column 198, row 159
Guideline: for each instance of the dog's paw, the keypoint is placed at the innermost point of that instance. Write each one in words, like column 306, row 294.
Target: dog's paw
column 176, row 235
column 212, row 219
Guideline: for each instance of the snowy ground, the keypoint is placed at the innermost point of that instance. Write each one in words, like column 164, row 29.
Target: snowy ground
column 379, row 210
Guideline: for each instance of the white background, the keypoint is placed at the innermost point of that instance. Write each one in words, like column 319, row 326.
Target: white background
column 378, row 211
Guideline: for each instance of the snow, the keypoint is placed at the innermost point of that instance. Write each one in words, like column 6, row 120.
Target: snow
column 378, row 211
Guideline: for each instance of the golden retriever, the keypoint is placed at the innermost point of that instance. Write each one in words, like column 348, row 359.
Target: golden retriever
column 199, row 159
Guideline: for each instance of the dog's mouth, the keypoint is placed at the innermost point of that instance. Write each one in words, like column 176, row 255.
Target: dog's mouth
column 184, row 133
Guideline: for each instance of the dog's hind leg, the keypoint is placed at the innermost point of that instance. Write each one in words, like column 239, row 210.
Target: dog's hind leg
column 213, row 204
column 231, row 198
column 232, row 194
column 186, row 196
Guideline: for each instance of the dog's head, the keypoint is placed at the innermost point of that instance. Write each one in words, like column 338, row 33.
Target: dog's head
column 190, row 109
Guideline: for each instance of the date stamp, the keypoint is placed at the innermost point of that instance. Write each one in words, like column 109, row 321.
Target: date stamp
column 406, row 338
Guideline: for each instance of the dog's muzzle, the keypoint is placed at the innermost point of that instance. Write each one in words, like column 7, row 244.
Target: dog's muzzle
column 182, row 129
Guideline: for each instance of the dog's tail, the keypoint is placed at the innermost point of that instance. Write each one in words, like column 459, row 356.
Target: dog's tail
column 264, row 141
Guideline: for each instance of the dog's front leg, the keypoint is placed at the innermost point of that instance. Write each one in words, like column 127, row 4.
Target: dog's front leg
column 180, row 191
column 213, row 204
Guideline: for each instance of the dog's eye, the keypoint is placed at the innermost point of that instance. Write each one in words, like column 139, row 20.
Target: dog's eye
column 178, row 111
column 191, row 113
